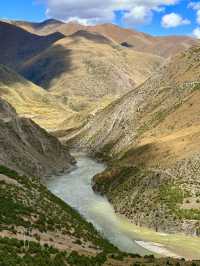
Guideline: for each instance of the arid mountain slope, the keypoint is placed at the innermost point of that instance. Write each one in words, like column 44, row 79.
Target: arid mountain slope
column 87, row 68
column 28, row 148
column 18, row 45
column 162, row 46
column 154, row 131
column 32, row 101
column 125, row 121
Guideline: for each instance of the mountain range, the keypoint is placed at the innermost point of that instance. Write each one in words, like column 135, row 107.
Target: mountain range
column 161, row 46
column 124, row 97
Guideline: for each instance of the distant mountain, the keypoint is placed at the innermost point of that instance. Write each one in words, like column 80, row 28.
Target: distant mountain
column 163, row 46
column 89, row 70
column 86, row 69
column 91, row 67
column 42, row 28
column 91, row 36
column 19, row 45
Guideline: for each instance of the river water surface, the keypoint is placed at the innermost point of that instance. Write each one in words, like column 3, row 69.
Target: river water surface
column 75, row 189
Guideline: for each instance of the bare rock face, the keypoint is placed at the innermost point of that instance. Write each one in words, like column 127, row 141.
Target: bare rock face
column 27, row 148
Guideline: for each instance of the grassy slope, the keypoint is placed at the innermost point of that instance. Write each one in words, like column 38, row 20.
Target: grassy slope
column 32, row 101
column 27, row 205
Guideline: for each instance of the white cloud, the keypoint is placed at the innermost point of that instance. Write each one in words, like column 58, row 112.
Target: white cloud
column 196, row 33
column 138, row 15
column 196, row 6
column 173, row 20
column 100, row 11
column 198, row 16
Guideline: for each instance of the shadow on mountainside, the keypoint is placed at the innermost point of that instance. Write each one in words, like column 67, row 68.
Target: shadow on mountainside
column 91, row 36
column 47, row 66
column 18, row 45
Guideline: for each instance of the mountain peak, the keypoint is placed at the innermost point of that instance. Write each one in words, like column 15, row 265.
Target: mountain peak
column 92, row 36
column 50, row 21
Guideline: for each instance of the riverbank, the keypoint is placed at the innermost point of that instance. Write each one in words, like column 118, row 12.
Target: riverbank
column 173, row 245
column 158, row 249
column 75, row 189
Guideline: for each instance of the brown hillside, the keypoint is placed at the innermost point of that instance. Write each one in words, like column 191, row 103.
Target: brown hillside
column 162, row 46
column 87, row 67
column 32, row 101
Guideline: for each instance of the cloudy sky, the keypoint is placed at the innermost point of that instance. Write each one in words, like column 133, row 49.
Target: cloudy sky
column 157, row 17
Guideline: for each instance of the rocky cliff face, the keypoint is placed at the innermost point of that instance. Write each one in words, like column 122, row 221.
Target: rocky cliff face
column 27, row 148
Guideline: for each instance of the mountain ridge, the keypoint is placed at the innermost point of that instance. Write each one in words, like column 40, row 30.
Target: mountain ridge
column 159, row 45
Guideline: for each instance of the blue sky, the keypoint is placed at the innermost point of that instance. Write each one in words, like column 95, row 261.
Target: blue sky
column 156, row 17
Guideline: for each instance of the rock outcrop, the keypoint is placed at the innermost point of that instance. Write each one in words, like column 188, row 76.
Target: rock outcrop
column 27, row 148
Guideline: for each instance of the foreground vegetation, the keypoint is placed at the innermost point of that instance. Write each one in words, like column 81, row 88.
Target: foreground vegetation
column 13, row 252
column 30, row 215
column 27, row 203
